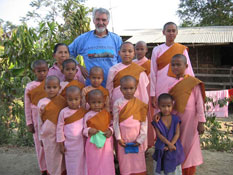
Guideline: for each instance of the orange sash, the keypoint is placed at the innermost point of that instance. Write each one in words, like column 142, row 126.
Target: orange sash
column 146, row 66
column 53, row 108
column 103, row 90
column 136, row 108
column 100, row 121
column 37, row 93
column 166, row 57
column 133, row 70
column 182, row 90
column 76, row 116
column 72, row 83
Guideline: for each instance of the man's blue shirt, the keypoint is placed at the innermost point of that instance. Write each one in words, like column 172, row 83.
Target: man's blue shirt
column 102, row 52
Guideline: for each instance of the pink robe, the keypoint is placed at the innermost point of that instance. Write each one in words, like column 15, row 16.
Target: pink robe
column 55, row 70
column 194, row 113
column 100, row 161
column 63, row 84
column 130, row 130
column 47, row 134
column 115, row 93
column 31, row 114
column 151, row 132
column 72, row 136
column 159, row 78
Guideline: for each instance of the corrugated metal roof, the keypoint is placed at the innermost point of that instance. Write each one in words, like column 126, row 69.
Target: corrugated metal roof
column 210, row 35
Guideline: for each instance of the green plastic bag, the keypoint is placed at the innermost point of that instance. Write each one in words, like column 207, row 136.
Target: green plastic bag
column 98, row 139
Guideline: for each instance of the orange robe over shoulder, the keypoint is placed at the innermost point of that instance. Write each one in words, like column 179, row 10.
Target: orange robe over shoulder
column 37, row 93
column 53, row 108
column 136, row 108
column 132, row 70
column 79, row 114
column 100, row 121
column 146, row 66
column 72, row 83
column 182, row 90
column 166, row 57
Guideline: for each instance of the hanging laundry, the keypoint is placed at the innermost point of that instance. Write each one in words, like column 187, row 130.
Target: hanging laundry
column 218, row 106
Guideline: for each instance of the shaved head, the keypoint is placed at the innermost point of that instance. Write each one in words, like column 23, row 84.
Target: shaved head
column 128, row 78
column 124, row 43
column 180, row 56
column 51, row 78
column 96, row 69
column 143, row 43
column 95, row 92
column 73, row 89
column 38, row 63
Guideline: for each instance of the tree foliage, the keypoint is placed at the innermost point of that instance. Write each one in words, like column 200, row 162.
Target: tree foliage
column 206, row 12
column 19, row 47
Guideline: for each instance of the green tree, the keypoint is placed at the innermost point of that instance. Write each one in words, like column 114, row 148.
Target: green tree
column 76, row 21
column 71, row 17
column 206, row 12
column 20, row 46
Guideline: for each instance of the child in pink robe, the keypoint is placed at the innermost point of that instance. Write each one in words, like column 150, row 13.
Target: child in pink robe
column 61, row 53
column 69, row 70
column 96, row 76
column 141, row 59
column 192, row 118
column 130, row 128
column 127, row 54
column 100, row 161
column 159, row 78
column 40, row 68
column 69, row 133
column 47, row 128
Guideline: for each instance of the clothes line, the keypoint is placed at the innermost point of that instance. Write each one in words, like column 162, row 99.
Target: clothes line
column 216, row 96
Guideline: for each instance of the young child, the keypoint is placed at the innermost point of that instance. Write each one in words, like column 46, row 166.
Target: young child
column 189, row 94
column 96, row 77
column 60, row 54
column 130, row 127
column 140, row 52
column 49, row 108
column 127, row 67
column 69, row 133
column 99, row 159
column 69, row 70
column 33, row 93
column 161, row 74
column 141, row 59
column 168, row 154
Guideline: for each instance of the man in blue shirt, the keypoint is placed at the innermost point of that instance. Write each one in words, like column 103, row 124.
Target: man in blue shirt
column 98, row 47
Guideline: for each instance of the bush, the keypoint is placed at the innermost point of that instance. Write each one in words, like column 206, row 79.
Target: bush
column 215, row 138
column 19, row 47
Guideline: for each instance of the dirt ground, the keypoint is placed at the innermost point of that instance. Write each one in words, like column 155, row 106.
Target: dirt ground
column 22, row 161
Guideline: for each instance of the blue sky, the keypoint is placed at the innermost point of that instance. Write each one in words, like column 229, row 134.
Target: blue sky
column 126, row 14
